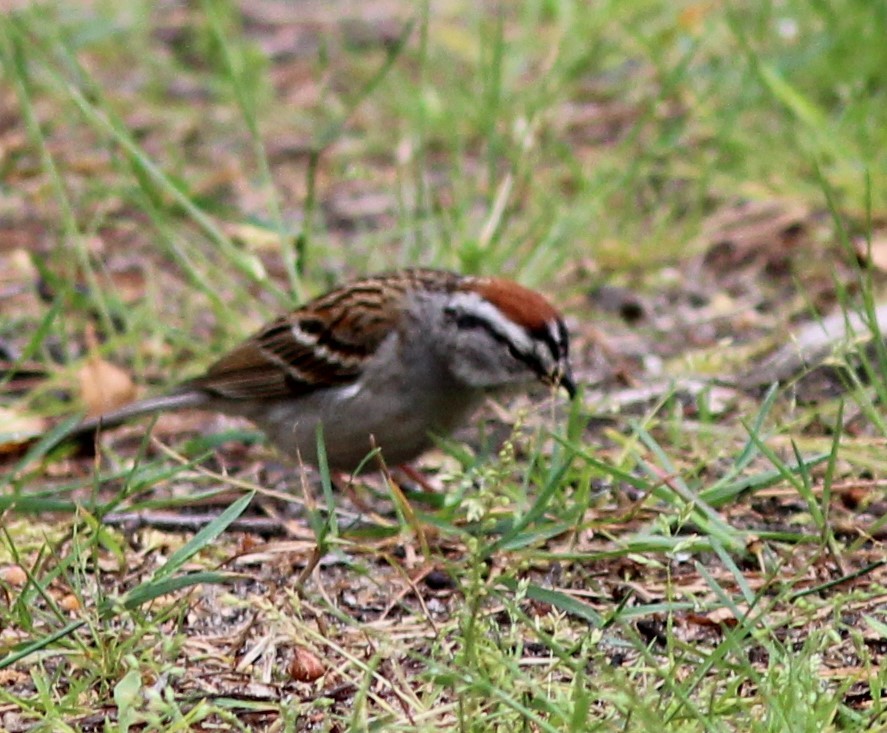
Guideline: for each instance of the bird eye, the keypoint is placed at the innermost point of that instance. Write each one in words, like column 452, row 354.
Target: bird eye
column 469, row 320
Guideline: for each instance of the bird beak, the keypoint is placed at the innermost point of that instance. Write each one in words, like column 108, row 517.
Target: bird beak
column 564, row 378
column 567, row 382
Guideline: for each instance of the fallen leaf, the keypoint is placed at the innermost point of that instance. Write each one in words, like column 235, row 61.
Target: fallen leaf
column 305, row 666
column 69, row 602
column 104, row 387
column 14, row 575
column 18, row 431
column 15, row 424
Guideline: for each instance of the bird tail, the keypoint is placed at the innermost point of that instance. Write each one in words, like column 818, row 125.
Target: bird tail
column 164, row 403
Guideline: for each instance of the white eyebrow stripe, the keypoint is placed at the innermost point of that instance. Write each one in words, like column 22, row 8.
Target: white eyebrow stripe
column 481, row 308
column 556, row 345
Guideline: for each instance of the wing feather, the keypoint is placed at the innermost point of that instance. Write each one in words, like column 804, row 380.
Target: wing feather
column 322, row 344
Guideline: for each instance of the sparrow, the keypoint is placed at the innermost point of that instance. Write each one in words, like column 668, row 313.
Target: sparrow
column 389, row 362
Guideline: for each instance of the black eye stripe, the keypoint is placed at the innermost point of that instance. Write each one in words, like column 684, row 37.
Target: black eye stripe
column 564, row 338
column 468, row 320
column 555, row 347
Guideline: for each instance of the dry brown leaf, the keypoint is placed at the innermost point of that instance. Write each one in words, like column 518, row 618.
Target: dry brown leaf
column 305, row 666
column 719, row 618
column 10, row 677
column 18, row 425
column 18, row 431
column 103, row 386
column 14, row 575
column 69, row 602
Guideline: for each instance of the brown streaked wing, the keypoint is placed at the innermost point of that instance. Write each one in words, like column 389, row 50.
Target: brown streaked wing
column 341, row 330
column 246, row 373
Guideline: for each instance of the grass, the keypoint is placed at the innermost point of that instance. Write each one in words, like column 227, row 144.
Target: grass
column 702, row 557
